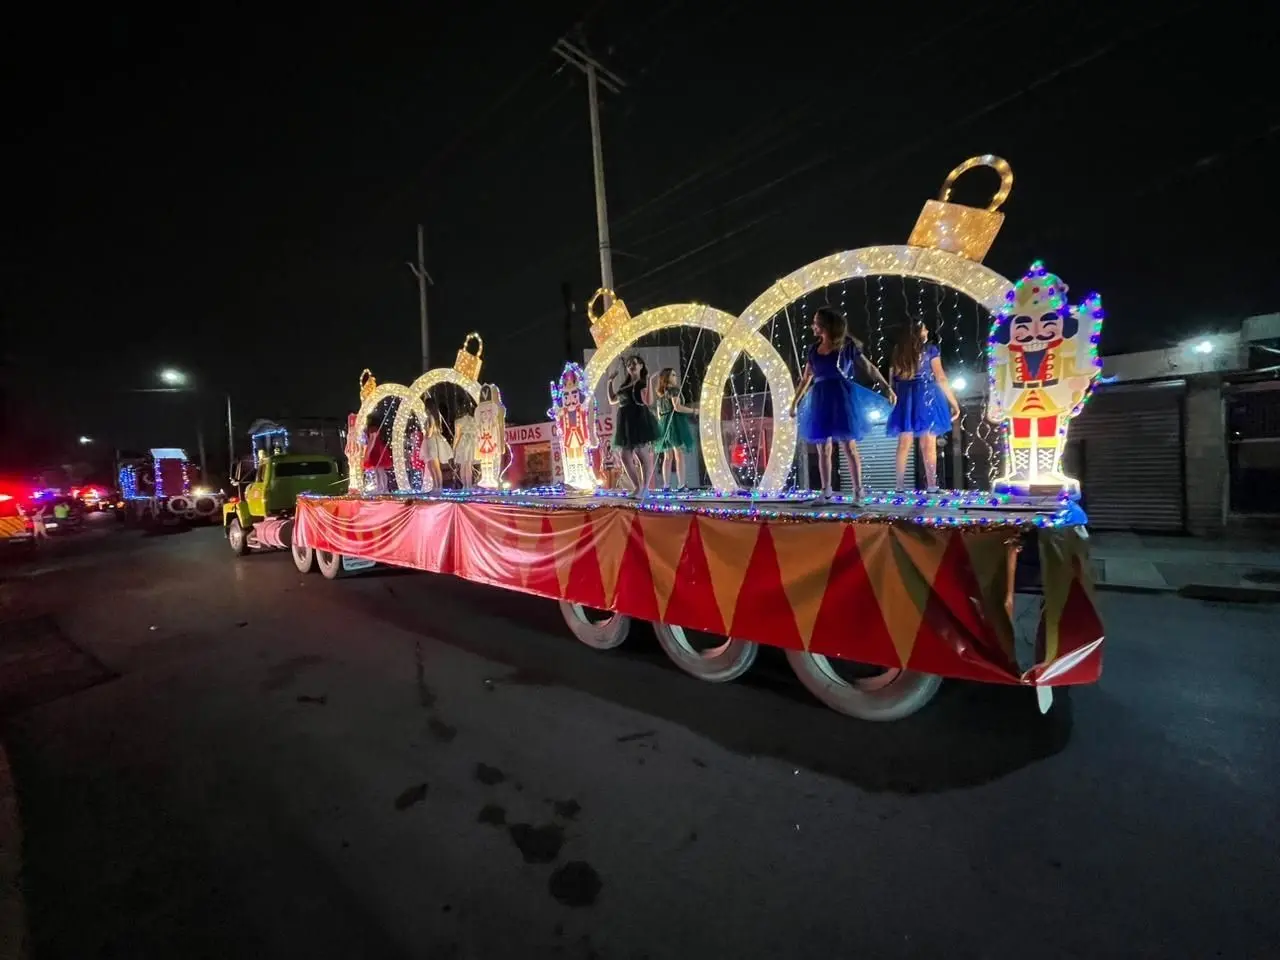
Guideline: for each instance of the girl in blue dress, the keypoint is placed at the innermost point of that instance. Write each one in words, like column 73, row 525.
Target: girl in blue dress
column 926, row 405
column 829, row 407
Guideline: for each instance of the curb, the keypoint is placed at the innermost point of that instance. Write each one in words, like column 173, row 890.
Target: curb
column 14, row 944
column 1198, row 591
column 1131, row 588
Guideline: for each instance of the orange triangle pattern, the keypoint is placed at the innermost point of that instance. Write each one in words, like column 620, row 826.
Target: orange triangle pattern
column 664, row 538
column 900, row 605
column 635, row 594
column 953, row 640
column 585, row 584
column 805, row 554
column 565, row 528
column 610, row 527
column 763, row 613
column 849, row 623
column 724, row 545
column 693, row 601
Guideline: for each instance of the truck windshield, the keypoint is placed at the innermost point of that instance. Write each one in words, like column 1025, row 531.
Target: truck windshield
column 304, row 468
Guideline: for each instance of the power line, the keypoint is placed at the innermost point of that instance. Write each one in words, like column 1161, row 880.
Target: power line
column 826, row 193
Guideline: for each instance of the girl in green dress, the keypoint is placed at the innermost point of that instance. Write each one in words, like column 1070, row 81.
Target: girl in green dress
column 677, row 437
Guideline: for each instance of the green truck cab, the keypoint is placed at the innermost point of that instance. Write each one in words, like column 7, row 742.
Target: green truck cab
column 270, row 491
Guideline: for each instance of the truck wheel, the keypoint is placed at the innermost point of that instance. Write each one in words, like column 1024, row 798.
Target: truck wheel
column 304, row 558
column 869, row 693
column 330, row 564
column 603, row 633
column 237, row 538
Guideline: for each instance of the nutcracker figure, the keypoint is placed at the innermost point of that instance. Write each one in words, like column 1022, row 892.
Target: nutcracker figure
column 573, row 415
column 491, row 435
column 1042, row 360
column 355, row 455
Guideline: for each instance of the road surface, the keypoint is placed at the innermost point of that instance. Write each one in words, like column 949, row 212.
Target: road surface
column 223, row 758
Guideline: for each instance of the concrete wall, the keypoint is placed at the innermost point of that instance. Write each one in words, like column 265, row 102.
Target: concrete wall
column 1206, row 458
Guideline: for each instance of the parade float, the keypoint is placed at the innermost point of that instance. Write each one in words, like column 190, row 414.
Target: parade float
column 156, row 488
column 875, row 599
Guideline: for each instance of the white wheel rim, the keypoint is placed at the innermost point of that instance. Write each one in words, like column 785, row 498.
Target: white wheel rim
column 237, row 536
column 866, row 684
column 682, row 640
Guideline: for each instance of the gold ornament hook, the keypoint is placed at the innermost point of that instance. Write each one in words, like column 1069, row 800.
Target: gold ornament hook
column 998, row 164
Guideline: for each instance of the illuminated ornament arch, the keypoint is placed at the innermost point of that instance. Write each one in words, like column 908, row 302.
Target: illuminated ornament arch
column 624, row 330
column 946, row 246
column 462, row 374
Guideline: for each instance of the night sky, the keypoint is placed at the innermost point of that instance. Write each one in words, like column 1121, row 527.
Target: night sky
column 238, row 197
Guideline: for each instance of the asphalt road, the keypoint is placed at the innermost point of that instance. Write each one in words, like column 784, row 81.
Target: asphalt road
column 221, row 758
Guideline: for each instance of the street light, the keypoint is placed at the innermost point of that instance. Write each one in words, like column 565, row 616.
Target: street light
column 1203, row 347
column 174, row 378
column 85, row 440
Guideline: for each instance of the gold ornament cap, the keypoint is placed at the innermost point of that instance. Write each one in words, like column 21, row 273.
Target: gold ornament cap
column 467, row 363
column 609, row 320
column 965, row 231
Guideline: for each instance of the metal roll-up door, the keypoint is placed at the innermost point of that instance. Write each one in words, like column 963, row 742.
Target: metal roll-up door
column 878, row 454
column 1126, row 449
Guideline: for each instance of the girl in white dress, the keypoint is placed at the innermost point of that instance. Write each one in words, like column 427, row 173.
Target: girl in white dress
column 435, row 448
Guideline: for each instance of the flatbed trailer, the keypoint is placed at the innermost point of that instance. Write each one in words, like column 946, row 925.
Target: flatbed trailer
column 874, row 603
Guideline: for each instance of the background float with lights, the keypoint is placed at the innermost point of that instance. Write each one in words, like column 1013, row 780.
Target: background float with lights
column 874, row 602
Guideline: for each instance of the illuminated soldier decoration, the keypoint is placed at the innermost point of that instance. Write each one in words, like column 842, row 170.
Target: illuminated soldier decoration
column 573, row 415
column 1042, row 360
column 491, row 427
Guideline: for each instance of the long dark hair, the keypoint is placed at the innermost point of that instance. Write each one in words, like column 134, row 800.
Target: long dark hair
column 433, row 425
column 644, row 370
column 836, row 326
column 907, row 348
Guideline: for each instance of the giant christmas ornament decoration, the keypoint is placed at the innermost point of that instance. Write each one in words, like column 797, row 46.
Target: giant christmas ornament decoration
column 573, row 412
column 491, row 427
column 1042, row 357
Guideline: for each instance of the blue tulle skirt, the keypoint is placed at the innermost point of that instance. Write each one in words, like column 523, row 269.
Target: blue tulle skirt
column 921, row 408
column 838, row 409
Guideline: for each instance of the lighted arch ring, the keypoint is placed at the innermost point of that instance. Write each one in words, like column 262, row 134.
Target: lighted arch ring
column 972, row 279
column 416, row 408
column 411, row 405
column 758, row 347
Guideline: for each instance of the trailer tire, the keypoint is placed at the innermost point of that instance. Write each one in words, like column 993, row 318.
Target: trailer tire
column 604, row 635
column 721, row 664
column 893, row 695
column 304, row 558
column 237, row 538
column 330, row 564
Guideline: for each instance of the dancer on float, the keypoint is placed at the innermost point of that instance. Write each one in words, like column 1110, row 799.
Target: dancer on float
column 435, row 448
column 926, row 404
column 677, row 441
column 635, row 428
column 832, row 407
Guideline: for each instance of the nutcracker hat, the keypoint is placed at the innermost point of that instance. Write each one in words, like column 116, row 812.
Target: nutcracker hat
column 1037, row 293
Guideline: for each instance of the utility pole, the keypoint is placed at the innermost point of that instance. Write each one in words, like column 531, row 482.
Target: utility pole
column 231, row 442
column 420, row 271
column 597, row 76
column 566, row 291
